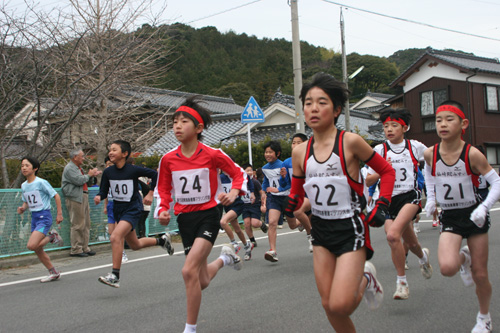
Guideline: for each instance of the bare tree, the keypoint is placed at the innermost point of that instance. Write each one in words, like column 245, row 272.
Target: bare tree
column 129, row 58
column 75, row 65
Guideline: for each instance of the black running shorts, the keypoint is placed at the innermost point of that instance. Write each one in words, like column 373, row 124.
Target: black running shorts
column 341, row 236
column 204, row 224
column 458, row 221
column 397, row 202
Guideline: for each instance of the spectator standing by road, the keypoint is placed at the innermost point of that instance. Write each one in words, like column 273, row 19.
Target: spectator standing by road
column 76, row 194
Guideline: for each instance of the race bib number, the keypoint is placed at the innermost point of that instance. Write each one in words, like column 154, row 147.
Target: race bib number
column 454, row 196
column 122, row 190
column 329, row 197
column 246, row 198
column 34, row 200
column 192, row 187
column 274, row 181
column 226, row 187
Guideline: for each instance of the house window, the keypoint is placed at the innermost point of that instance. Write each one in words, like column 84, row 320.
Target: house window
column 426, row 104
column 493, row 155
column 429, row 125
column 492, row 93
column 430, row 100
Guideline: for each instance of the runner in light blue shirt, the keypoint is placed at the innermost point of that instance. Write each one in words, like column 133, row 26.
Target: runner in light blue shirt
column 37, row 193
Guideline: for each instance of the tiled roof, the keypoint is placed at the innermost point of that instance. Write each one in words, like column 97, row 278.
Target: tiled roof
column 286, row 100
column 379, row 96
column 172, row 99
column 465, row 62
column 167, row 100
column 223, row 128
column 372, row 109
column 19, row 148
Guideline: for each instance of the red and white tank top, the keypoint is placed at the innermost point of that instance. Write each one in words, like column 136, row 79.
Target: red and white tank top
column 456, row 185
column 405, row 165
column 332, row 193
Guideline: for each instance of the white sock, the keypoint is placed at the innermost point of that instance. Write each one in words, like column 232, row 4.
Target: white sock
column 424, row 259
column 190, row 328
column 484, row 316
column 402, row 279
column 225, row 259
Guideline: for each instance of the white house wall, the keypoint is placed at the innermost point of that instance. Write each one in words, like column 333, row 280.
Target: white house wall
column 443, row 71
column 279, row 118
column 366, row 102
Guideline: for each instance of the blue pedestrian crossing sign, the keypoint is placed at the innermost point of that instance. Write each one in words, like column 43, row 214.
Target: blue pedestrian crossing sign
column 252, row 112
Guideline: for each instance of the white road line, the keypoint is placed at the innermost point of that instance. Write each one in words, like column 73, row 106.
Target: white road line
column 109, row 265
column 430, row 221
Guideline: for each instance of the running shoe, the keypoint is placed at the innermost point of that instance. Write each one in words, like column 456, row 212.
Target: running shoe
column 236, row 247
column 110, row 280
column 248, row 251
column 55, row 238
column 168, row 244
column 301, row 228
column 435, row 223
column 271, row 256
column 416, row 227
column 402, row 291
column 426, row 269
column 482, row 325
column 235, row 261
column 374, row 293
column 280, row 226
column 124, row 257
column 51, row 277
column 465, row 268
column 264, row 227
column 309, row 239
column 406, row 265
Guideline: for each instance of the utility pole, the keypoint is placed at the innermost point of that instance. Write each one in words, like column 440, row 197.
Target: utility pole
column 297, row 67
column 347, row 113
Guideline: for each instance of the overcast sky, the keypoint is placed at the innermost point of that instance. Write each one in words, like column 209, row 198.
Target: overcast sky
column 365, row 33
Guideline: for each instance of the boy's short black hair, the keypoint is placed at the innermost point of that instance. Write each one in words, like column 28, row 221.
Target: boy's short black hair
column 275, row 146
column 301, row 136
column 401, row 113
column 124, row 145
column 194, row 102
column 246, row 165
column 33, row 161
column 453, row 103
column 106, row 159
column 336, row 90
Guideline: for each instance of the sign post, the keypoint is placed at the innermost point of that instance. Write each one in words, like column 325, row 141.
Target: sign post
column 251, row 114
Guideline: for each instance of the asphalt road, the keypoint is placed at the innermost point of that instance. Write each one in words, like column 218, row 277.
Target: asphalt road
column 262, row 297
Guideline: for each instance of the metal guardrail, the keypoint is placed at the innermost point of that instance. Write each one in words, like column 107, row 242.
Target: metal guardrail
column 15, row 229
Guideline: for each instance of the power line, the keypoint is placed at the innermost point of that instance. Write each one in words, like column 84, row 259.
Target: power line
column 224, row 11
column 411, row 21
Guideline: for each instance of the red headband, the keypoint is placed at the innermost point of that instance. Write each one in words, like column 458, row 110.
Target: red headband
column 192, row 112
column 399, row 121
column 451, row 108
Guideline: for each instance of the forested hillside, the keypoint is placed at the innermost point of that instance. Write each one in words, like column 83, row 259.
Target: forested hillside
column 207, row 61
